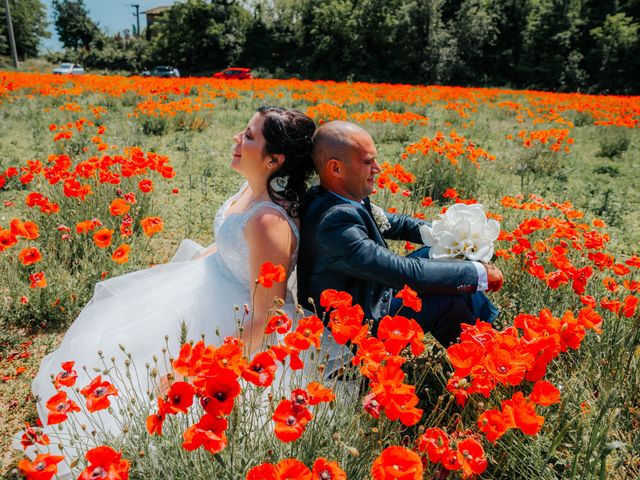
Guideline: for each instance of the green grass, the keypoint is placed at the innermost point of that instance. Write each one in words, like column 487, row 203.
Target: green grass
column 604, row 373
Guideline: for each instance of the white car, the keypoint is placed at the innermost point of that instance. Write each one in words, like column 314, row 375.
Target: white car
column 69, row 69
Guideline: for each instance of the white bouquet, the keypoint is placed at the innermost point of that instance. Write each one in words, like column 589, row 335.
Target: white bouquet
column 462, row 232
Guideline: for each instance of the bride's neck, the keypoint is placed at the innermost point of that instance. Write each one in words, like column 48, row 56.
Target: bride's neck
column 258, row 188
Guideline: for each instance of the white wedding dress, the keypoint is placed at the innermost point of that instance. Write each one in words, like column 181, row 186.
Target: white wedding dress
column 131, row 318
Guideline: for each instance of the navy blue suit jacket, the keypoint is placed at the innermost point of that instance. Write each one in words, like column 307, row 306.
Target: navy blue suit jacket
column 342, row 248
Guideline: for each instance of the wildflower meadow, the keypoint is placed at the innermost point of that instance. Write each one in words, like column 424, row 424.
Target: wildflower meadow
column 100, row 176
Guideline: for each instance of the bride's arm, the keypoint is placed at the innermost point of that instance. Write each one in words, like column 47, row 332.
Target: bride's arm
column 213, row 248
column 270, row 239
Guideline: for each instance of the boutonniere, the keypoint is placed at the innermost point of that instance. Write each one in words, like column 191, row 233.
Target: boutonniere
column 380, row 218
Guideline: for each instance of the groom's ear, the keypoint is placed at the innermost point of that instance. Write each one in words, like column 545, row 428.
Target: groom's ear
column 334, row 167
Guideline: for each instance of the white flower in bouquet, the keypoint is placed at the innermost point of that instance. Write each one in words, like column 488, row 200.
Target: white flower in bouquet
column 462, row 232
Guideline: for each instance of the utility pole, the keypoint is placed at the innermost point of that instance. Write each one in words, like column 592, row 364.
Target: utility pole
column 12, row 40
column 137, row 15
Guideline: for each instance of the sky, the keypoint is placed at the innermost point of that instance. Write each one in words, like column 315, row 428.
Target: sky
column 111, row 15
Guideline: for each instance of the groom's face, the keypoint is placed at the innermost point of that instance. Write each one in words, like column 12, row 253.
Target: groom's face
column 360, row 168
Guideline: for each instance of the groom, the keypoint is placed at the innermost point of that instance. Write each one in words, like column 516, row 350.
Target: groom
column 343, row 248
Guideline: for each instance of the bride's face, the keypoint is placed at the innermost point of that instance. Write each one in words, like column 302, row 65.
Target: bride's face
column 248, row 153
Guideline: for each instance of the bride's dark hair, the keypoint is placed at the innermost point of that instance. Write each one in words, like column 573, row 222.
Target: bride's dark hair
column 288, row 132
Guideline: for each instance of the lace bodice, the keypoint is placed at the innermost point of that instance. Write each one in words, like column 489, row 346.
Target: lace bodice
column 232, row 248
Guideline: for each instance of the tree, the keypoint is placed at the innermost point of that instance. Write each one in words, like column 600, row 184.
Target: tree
column 617, row 39
column 29, row 26
column 74, row 26
column 331, row 31
column 195, row 35
column 477, row 27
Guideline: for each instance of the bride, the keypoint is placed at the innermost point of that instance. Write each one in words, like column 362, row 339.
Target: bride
column 132, row 318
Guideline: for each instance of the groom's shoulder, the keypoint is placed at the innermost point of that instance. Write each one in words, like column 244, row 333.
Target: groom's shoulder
column 319, row 202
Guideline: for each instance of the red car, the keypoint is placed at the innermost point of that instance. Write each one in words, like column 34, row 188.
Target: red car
column 235, row 73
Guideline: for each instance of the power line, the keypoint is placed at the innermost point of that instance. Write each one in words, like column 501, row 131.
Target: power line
column 12, row 40
column 137, row 15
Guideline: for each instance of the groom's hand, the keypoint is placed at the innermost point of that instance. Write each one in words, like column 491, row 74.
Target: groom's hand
column 494, row 277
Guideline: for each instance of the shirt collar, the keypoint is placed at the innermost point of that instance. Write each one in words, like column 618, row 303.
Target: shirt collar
column 353, row 202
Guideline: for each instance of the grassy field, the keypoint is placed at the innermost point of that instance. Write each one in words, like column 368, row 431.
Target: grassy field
column 539, row 149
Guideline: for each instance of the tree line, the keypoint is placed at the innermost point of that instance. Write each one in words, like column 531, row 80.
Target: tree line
column 572, row 45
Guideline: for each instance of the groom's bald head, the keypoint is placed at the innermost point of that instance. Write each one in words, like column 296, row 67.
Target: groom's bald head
column 344, row 156
column 334, row 139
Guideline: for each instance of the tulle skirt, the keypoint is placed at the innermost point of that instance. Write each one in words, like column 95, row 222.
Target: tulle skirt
column 131, row 328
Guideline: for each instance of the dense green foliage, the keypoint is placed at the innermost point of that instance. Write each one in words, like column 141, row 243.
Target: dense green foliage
column 570, row 45
column 73, row 25
column 29, row 26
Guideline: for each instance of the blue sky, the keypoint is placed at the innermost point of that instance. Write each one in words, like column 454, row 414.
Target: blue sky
column 112, row 16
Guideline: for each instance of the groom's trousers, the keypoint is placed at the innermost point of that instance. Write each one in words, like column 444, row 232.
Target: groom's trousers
column 442, row 315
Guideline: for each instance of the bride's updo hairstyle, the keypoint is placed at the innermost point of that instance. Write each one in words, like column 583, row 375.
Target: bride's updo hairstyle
column 288, row 132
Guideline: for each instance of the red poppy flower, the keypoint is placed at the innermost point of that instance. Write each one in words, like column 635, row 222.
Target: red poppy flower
column 59, row 406
column 119, row 207
column 264, row 471
column 145, row 185
column 325, row 470
column 207, row 433
column 155, row 420
column 507, row 366
column 189, row 360
column 371, row 351
column 43, row 467
column 450, row 193
column 493, row 424
column 427, row 201
column 290, row 469
column 85, row 226
column 18, row 228
column 97, row 394
column 261, row 370
column 300, row 397
column 121, row 254
column 29, row 256
column 31, row 436
column 307, row 333
column 179, row 398
column 630, row 305
column 434, row 442
column 464, row 356
column 270, row 273
column 520, row 412
column 331, row 298
column 37, row 280
column 105, row 462
column 634, row 261
column 451, row 459
column 152, row 225
column 278, row 323
column 319, row 393
column 67, row 377
column 397, row 463
column 410, row 298
column 397, row 332
column 371, row 405
column 220, row 390
column 7, row 239
column 346, row 324
column 102, row 238
column 544, row 393
column 472, row 457
column 290, row 420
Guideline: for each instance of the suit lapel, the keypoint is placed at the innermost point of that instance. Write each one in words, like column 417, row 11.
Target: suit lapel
column 367, row 206
column 365, row 213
